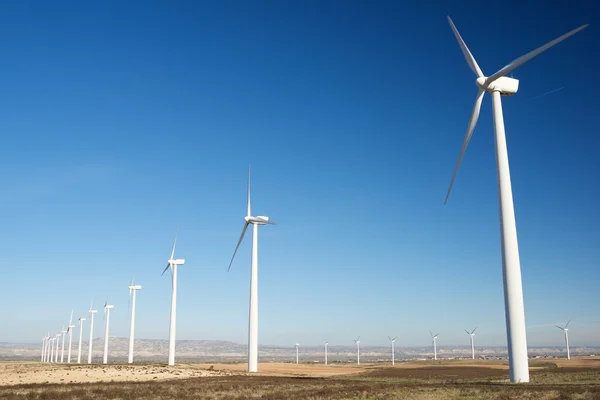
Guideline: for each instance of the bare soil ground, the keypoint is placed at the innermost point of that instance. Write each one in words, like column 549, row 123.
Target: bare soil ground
column 577, row 379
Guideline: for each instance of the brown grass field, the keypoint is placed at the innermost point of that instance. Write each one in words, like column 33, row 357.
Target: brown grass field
column 445, row 379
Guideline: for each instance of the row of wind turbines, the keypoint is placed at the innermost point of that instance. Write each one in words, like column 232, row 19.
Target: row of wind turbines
column 498, row 85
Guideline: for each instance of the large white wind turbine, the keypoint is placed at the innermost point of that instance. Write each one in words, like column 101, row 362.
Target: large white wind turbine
column 70, row 331
column 172, row 264
column 81, row 319
column 107, row 308
column 62, row 349
column 91, row 312
column 297, row 346
column 253, row 317
column 565, row 329
column 357, row 341
column 47, row 351
column 326, row 343
column 499, row 85
column 472, row 336
column 132, row 289
column 393, row 339
column 434, row 339
column 52, row 349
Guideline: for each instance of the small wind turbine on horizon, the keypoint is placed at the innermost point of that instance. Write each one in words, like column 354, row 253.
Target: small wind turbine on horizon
column 472, row 336
column 62, row 350
column 434, row 339
column 81, row 319
column 565, row 329
column 172, row 265
column 91, row 312
column 107, row 308
column 357, row 341
column 297, row 345
column 499, row 85
column 132, row 289
column 70, row 330
column 393, row 352
column 253, row 312
column 326, row 343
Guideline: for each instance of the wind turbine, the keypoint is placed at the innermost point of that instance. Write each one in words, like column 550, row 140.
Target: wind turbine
column 43, row 348
column 47, row 352
column 91, row 312
column 107, row 308
column 253, row 317
column 62, row 351
column 57, row 342
column 70, row 330
column 499, row 85
column 297, row 345
column 326, row 343
column 51, row 349
column 472, row 336
column 357, row 341
column 132, row 289
column 81, row 319
column 434, row 338
column 565, row 329
column 393, row 353
column 172, row 265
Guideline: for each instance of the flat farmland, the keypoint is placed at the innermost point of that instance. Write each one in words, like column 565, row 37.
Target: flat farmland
column 444, row 379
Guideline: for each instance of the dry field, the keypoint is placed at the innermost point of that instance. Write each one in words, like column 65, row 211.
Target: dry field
column 446, row 379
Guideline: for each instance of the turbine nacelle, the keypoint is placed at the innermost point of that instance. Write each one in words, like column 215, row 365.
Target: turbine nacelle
column 108, row 307
column 136, row 287
column 179, row 261
column 505, row 85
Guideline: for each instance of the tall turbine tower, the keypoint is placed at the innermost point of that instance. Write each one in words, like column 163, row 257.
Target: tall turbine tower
column 326, row 343
column 52, row 349
column 499, row 85
column 58, row 335
column 172, row 265
column 253, row 318
column 70, row 330
column 62, row 349
column 434, row 339
column 81, row 319
column 43, row 348
column 472, row 336
column 357, row 341
column 132, row 289
column 47, row 353
column 91, row 312
column 107, row 308
column 393, row 352
column 297, row 345
column 565, row 329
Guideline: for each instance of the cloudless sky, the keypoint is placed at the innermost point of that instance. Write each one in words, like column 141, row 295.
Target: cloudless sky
column 120, row 121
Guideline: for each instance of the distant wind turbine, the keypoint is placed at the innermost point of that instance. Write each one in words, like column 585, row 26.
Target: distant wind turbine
column 57, row 343
column 498, row 85
column 434, row 338
column 70, row 330
column 43, row 348
column 47, row 350
column 326, row 343
column 297, row 345
column 132, row 289
column 52, row 349
column 472, row 336
column 565, row 329
column 81, row 319
column 91, row 312
column 107, row 308
column 62, row 350
column 393, row 353
column 172, row 265
column 253, row 317
column 357, row 341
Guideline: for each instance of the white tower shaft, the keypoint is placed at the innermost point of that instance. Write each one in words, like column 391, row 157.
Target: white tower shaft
column 132, row 327
column 472, row 346
column 393, row 354
column 325, row 354
column 173, row 316
column 62, row 351
column 91, row 338
column 70, row 339
column 253, row 318
column 511, row 268
column 43, row 349
column 435, row 348
column 567, row 344
column 105, row 359
column 296, row 354
column 80, row 340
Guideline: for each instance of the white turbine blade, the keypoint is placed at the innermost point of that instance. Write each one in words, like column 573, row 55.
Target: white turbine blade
column 249, row 212
column 474, row 330
column 174, row 243
column 568, row 322
column 389, row 338
column 468, row 56
column 468, row 333
column 560, row 327
column 167, row 267
column 238, row 244
column 266, row 221
column 470, row 128
column 394, row 338
column 523, row 59
column 431, row 333
column 71, row 318
column 92, row 303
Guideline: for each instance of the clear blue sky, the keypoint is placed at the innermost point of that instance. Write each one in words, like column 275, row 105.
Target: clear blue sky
column 121, row 120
